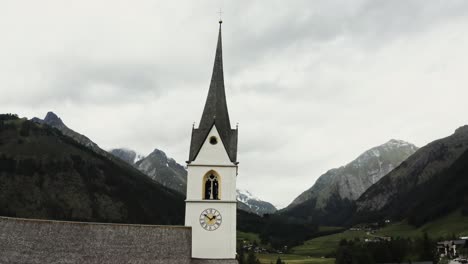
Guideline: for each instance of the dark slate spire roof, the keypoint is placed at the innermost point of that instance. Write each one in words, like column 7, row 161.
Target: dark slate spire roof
column 215, row 112
column 215, row 106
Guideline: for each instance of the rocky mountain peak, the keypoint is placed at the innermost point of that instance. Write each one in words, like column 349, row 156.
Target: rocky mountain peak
column 50, row 116
column 402, row 188
column 250, row 203
column 462, row 130
column 397, row 143
column 127, row 155
column 164, row 170
column 158, row 153
column 351, row 180
column 245, row 194
column 389, row 147
column 157, row 157
column 53, row 120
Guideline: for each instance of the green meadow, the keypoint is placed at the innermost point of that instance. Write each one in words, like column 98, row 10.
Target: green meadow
column 454, row 224
column 316, row 250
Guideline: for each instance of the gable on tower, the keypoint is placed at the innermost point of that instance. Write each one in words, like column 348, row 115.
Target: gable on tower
column 215, row 113
column 212, row 150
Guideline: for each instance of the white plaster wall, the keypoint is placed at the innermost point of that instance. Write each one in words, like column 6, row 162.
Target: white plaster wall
column 217, row 244
column 220, row 243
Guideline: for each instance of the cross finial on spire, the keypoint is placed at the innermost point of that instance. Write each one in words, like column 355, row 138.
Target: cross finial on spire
column 220, row 13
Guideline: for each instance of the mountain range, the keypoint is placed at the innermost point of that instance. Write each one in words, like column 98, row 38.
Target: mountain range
column 157, row 165
column 417, row 185
column 50, row 171
column 331, row 198
column 429, row 184
column 171, row 174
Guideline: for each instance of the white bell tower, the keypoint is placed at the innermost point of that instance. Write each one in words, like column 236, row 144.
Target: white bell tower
column 210, row 208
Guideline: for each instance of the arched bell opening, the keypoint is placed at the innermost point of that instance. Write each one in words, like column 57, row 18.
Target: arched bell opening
column 211, row 186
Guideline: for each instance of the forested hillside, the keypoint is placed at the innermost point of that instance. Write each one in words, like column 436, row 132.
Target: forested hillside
column 439, row 196
column 45, row 174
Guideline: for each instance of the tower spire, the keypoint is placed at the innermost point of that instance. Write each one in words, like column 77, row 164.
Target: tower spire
column 215, row 111
column 216, row 106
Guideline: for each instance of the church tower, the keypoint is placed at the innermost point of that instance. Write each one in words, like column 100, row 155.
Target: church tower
column 210, row 208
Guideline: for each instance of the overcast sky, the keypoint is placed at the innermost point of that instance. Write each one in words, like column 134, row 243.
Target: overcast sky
column 313, row 84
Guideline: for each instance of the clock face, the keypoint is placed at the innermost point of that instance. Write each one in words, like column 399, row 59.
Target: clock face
column 210, row 219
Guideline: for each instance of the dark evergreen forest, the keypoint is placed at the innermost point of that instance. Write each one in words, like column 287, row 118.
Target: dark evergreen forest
column 46, row 175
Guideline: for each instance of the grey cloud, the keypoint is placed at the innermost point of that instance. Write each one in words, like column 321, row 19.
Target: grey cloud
column 81, row 83
column 304, row 25
column 381, row 21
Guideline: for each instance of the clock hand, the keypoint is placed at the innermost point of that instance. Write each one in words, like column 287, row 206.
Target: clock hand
column 208, row 217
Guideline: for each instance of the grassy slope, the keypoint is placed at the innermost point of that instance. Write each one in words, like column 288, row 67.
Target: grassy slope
column 244, row 236
column 289, row 258
column 451, row 224
column 322, row 246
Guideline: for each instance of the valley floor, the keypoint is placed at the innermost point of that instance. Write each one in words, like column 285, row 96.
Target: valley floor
column 454, row 224
column 293, row 259
column 318, row 249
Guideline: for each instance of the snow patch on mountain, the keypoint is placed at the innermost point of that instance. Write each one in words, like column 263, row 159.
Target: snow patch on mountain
column 128, row 155
column 244, row 195
column 250, row 203
column 138, row 157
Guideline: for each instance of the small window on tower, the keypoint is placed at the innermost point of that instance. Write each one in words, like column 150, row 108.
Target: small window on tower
column 213, row 140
